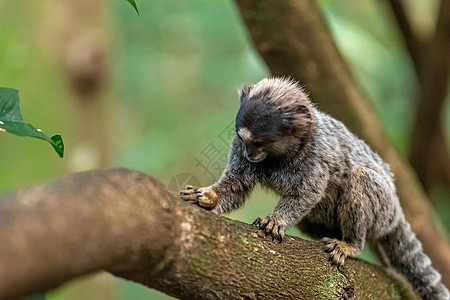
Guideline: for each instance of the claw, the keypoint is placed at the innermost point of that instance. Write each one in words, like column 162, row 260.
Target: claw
column 338, row 250
column 270, row 225
column 280, row 238
column 257, row 222
column 280, row 234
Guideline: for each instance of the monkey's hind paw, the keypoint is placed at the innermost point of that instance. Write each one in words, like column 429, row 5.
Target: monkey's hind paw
column 204, row 197
column 271, row 225
column 338, row 250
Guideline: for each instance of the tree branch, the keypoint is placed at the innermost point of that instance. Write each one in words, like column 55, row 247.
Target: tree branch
column 413, row 44
column 430, row 153
column 125, row 222
column 294, row 40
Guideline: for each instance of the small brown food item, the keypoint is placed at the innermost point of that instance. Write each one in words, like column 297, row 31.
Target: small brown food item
column 204, row 197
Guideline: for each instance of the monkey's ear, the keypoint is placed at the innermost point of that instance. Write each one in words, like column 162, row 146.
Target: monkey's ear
column 303, row 121
column 245, row 93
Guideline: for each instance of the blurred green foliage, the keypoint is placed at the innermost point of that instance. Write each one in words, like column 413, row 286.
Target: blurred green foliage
column 174, row 72
column 179, row 68
column 26, row 66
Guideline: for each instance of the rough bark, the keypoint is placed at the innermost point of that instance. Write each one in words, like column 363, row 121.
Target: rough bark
column 126, row 222
column 293, row 39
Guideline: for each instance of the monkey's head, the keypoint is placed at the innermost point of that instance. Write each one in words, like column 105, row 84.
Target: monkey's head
column 274, row 119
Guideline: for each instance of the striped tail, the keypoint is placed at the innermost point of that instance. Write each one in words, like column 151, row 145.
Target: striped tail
column 405, row 253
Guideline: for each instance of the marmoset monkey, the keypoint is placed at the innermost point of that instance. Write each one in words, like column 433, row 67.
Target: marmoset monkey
column 332, row 185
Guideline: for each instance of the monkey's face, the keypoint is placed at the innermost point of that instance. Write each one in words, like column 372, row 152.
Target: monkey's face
column 271, row 122
column 263, row 130
column 253, row 149
column 271, row 144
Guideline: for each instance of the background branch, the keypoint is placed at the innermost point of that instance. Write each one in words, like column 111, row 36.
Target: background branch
column 430, row 155
column 126, row 222
column 412, row 42
column 294, row 40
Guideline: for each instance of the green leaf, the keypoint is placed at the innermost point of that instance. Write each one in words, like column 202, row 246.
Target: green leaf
column 11, row 121
column 133, row 3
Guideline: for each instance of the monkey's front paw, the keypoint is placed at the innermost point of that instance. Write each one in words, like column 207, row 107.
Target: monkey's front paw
column 204, row 197
column 271, row 225
column 338, row 250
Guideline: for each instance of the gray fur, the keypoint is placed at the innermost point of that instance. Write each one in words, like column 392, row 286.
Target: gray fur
column 331, row 184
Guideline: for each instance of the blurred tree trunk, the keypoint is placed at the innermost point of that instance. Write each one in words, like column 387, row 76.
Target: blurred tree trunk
column 76, row 34
column 127, row 223
column 293, row 39
column 77, row 30
column 430, row 155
